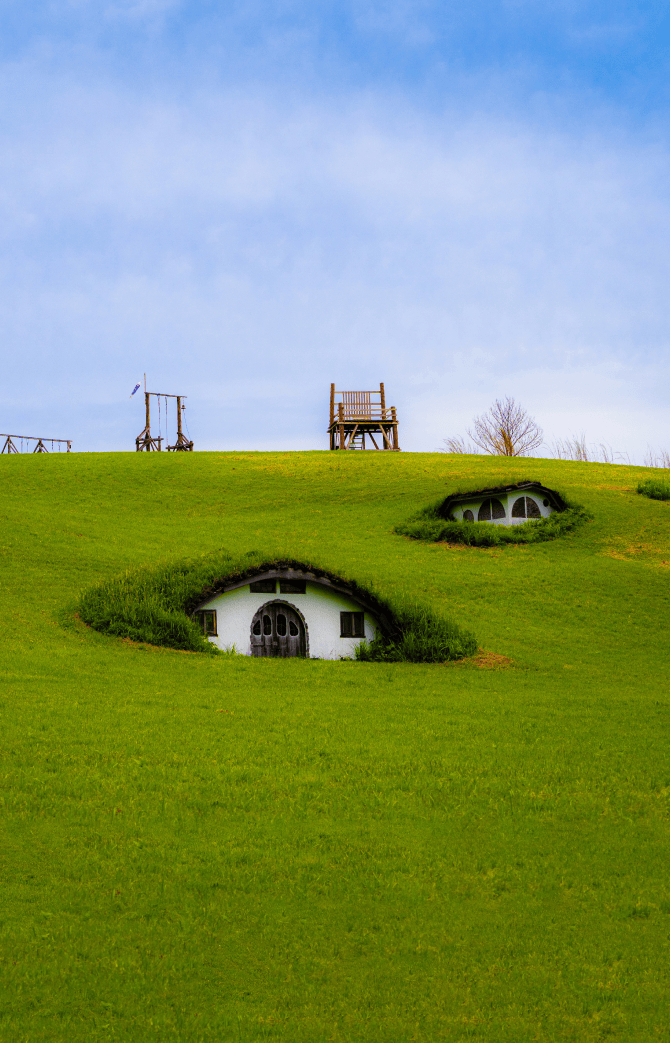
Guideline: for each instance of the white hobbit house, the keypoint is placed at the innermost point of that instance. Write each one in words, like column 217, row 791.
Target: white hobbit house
column 504, row 505
column 288, row 612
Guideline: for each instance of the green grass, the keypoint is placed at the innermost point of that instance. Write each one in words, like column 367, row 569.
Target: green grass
column 655, row 489
column 218, row 848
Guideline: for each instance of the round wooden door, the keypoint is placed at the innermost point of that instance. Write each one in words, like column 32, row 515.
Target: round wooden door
column 277, row 630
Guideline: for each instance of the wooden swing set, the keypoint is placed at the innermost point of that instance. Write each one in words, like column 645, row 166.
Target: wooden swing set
column 10, row 446
column 147, row 443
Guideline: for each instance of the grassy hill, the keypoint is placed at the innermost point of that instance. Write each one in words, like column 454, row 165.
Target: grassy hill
column 211, row 848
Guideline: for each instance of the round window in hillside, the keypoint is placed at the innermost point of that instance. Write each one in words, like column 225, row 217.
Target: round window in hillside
column 491, row 510
column 525, row 507
column 468, row 516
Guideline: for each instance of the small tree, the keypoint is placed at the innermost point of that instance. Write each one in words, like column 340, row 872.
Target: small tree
column 506, row 430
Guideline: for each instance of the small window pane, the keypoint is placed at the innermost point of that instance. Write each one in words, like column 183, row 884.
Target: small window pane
column 207, row 622
column 257, row 628
column 497, row 509
column 263, row 586
column 292, row 586
column 352, row 624
column 532, row 509
column 468, row 516
column 484, row 513
column 346, row 624
column 519, row 508
column 292, row 628
column 281, row 625
column 267, row 625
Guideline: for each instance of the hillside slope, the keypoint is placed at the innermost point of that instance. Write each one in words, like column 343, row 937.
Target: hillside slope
column 202, row 848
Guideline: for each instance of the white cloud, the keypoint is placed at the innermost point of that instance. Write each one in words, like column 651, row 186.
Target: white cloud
column 248, row 249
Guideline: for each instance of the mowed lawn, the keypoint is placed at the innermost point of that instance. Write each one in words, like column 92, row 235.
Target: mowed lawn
column 214, row 848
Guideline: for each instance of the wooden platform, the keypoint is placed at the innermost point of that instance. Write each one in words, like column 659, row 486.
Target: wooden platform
column 360, row 416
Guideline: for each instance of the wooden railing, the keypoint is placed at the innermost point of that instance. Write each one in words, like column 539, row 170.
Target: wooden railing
column 350, row 406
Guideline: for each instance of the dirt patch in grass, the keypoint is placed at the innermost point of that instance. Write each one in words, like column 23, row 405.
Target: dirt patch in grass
column 641, row 550
column 491, row 661
column 485, row 661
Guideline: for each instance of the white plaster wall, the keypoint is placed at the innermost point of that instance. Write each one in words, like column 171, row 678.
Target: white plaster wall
column 507, row 500
column 320, row 608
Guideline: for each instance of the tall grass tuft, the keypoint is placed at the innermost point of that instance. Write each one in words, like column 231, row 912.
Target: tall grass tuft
column 153, row 604
column 657, row 458
column 420, row 637
column 575, row 448
column 655, row 489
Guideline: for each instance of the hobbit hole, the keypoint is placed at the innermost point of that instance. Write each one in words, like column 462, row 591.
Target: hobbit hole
column 505, row 505
column 307, row 614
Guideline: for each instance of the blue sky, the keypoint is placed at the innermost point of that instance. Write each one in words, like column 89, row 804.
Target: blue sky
column 248, row 201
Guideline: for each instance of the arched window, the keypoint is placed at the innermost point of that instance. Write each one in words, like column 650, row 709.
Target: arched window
column 525, row 507
column 468, row 516
column 491, row 510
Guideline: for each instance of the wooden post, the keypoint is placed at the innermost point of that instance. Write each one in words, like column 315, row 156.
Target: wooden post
column 332, row 403
column 395, row 428
column 340, row 410
column 179, row 435
column 146, row 402
column 382, row 396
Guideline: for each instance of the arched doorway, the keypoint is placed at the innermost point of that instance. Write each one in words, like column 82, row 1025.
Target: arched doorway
column 278, row 630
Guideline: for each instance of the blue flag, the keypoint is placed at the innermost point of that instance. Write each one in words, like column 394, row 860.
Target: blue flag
column 134, row 390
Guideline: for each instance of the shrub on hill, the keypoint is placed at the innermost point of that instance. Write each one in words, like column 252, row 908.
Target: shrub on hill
column 655, row 489
column 430, row 525
column 153, row 604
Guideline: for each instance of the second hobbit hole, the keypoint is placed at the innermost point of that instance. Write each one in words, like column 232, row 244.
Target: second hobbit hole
column 505, row 505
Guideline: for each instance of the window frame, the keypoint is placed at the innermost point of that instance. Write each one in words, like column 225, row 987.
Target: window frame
column 200, row 619
column 349, row 621
column 292, row 586
column 263, row 586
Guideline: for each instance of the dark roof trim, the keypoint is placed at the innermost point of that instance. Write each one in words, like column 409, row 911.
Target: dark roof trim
column 298, row 570
column 554, row 498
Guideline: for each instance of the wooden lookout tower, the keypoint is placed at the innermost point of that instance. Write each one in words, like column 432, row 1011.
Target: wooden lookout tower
column 355, row 415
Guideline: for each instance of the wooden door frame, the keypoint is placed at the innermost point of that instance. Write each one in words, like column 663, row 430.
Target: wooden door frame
column 286, row 604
